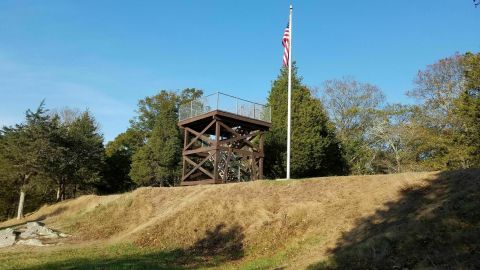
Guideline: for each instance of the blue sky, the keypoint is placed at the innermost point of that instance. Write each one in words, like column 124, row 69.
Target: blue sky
column 106, row 55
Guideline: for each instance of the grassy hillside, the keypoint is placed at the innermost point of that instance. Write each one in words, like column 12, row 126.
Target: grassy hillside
column 413, row 220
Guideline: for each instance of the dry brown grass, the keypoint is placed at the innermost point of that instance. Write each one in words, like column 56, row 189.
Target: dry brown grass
column 274, row 216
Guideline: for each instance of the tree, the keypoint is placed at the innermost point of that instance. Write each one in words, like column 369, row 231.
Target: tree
column 24, row 146
column 437, row 87
column 150, row 108
column 157, row 162
column 393, row 135
column 447, row 105
column 89, row 151
column 468, row 110
column 76, row 154
column 315, row 148
column 353, row 108
column 8, row 190
column 118, row 160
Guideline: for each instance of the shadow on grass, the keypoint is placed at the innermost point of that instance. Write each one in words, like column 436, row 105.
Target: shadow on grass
column 436, row 226
column 219, row 245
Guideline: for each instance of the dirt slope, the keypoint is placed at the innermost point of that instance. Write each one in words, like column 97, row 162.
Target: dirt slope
column 264, row 224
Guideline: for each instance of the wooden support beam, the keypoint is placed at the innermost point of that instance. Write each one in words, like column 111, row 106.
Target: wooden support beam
column 217, row 152
column 229, row 129
column 198, row 150
column 240, row 137
column 185, row 140
column 197, row 166
column 197, row 174
column 184, row 168
column 253, row 163
column 242, row 152
column 260, row 162
column 199, row 135
column 227, row 163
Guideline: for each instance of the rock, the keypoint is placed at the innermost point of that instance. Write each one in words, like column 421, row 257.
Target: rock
column 7, row 237
column 35, row 229
column 30, row 242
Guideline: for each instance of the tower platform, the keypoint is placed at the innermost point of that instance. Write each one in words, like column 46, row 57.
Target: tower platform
column 223, row 143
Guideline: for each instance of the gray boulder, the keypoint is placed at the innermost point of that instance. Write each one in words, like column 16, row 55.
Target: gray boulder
column 7, row 237
column 30, row 242
column 35, row 229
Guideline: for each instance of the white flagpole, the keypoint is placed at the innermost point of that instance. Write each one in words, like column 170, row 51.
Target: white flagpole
column 289, row 113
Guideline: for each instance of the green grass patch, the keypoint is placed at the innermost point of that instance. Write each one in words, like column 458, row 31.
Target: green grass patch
column 123, row 256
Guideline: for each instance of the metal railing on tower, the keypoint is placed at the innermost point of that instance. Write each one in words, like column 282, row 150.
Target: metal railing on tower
column 227, row 103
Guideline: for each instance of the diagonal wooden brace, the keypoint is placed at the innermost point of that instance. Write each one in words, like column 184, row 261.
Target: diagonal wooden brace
column 197, row 166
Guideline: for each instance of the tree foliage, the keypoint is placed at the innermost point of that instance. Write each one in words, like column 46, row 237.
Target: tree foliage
column 76, row 153
column 315, row 148
column 157, row 161
column 48, row 153
column 447, row 94
column 468, row 110
column 353, row 107
column 24, row 147
column 118, row 160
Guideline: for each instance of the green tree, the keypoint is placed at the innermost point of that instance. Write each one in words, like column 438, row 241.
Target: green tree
column 8, row 190
column 150, row 108
column 75, row 157
column 157, row 162
column 23, row 147
column 118, row 160
column 468, row 111
column 447, row 98
column 315, row 148
column 89, row 150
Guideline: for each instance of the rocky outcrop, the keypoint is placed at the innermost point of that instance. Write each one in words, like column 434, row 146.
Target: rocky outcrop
column 35, row 229
column 31, row 234
column 31, row 242
column 7, row 237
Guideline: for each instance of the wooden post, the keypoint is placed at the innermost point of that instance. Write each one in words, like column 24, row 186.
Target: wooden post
column 253, row 161
column 227, row 163
column 217, row 152
column 260, row 161
column 185, row 142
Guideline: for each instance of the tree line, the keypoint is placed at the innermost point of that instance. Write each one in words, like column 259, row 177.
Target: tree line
column 342, row 127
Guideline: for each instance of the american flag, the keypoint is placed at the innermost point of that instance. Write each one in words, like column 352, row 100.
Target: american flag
column 286, row 45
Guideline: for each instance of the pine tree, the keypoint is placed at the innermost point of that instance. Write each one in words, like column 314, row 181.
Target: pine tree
column 315, row 148
column 89, row 151
column 75, row 154
column 8, row 190
column 24, row 146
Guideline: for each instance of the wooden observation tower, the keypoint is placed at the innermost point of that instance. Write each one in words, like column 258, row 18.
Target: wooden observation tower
column 223, row 139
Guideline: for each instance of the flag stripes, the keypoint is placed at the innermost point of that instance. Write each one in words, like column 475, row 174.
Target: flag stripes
column 286, row 45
